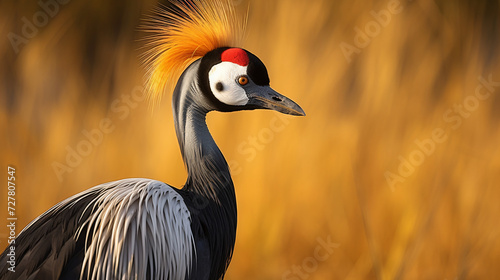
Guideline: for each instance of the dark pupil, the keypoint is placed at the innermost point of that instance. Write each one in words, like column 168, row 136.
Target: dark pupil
column 219, row 86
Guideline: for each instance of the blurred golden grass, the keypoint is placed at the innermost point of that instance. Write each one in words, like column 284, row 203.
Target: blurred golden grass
column 321, row 175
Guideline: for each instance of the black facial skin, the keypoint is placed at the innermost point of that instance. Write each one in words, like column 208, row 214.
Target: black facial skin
column 256, row 71
column 219, row 86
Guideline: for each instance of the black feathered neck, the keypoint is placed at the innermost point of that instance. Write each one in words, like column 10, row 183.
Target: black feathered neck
column 209, row 191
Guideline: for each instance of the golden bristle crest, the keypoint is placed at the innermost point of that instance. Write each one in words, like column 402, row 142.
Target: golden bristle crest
column 183, row 32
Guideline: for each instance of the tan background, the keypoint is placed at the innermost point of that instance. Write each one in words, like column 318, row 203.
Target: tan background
column 298, row 180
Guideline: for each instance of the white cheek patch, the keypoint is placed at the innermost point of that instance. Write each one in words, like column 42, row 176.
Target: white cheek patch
column 227, row 73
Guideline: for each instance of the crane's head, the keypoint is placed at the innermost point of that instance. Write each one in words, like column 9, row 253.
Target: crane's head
column 193, row 36
column 234, row 79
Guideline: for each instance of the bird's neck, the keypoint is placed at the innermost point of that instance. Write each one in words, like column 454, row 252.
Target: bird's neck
column 209, row 188
column 211, row 191
column 208, row 172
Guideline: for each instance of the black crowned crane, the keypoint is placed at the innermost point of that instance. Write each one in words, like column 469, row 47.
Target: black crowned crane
column 146, row 229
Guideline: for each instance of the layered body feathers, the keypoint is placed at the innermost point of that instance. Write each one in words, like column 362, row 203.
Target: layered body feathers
column 108, row 232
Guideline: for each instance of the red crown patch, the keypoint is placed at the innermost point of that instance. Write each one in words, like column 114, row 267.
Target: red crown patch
column 235, row 55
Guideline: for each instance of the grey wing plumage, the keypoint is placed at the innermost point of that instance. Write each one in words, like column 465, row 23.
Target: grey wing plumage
column 128, row 229
column 47, row 247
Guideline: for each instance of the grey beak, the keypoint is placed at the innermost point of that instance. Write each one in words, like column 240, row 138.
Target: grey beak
column 264, row 97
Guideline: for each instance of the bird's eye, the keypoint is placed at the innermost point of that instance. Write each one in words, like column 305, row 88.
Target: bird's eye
column 243, row 80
